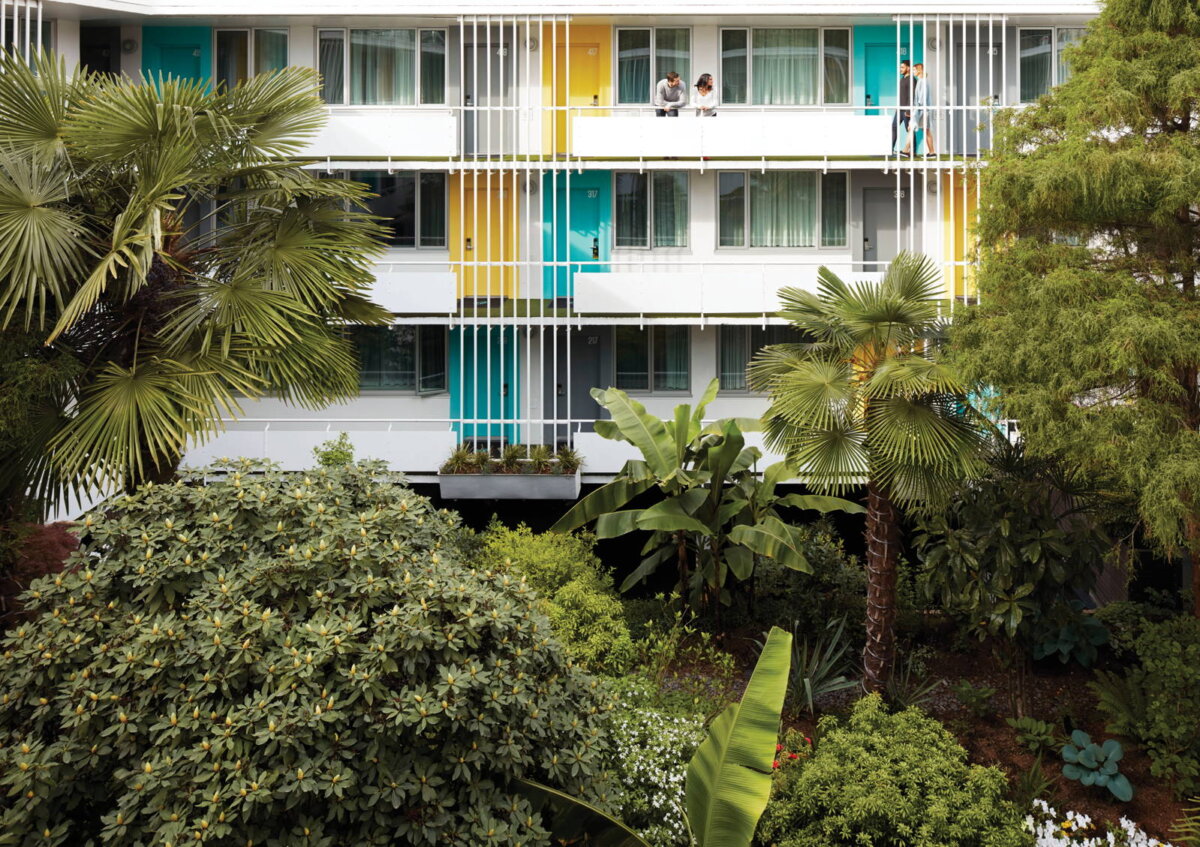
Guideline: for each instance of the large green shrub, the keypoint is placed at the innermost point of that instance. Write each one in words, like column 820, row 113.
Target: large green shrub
column 286, row 659
column 584, row 611
column 888, row 779
column 1163, row 712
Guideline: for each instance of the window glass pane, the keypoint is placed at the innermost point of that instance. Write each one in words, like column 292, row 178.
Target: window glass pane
column 383, row 65
column 672, row 52
column 837, row 65
column 387, row 357
column 331, row 63
column 671, row 354
column 733, row 66
column 784, row 66
column 433, row 359
column 731, row 209
column 233, row 61
column 1067, row 37
column 433, row 210
column 732, row 356
column 396, row 203
column 633, row 66
column 774, row 334
column 631, row 210
column 633, row 358
column 783, row 209
column 270, row 50
column 433, row 66
column 670, row 208
column 833, row 210
column 1036, row 62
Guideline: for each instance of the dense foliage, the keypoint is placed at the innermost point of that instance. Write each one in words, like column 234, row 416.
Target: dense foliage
column 1090, row 240
column 286, row 659
column 888, row 779
column 577, row 590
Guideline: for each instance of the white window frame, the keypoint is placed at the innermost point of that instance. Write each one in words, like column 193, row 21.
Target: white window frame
column 349, row 175
column 1054, row 57
column 249, row 30
column 652, row 331
column 821, row 102
column 616, row 65
column 650, row 213
column 745, row 245
column 345, row 31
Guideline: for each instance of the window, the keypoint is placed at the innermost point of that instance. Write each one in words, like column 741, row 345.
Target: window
column 651, row 209
column 242, row 53
column 1042, row 61
column 736, row 346
column 401, row 358
column 412, row 203
column 781, row 209
column 785, row 67
column 657, row 358
column 382, row 67
column 644, row 56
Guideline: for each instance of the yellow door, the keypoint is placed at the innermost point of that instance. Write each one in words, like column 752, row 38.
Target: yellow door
column 583, row 88
column 484, row 235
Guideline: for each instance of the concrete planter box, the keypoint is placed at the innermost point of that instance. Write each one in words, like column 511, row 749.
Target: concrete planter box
column 499, row 486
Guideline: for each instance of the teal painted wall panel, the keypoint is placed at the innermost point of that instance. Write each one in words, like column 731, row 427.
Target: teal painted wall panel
column 484, row 381
column 876, row 64
column 177, row 51
column 589, row 228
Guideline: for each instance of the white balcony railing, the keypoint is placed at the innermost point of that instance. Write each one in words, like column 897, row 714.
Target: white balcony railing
column 380, row 132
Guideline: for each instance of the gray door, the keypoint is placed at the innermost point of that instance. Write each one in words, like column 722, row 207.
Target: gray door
column 978, row 86
column 881, row 241
column 489, row 127
column 580, row 353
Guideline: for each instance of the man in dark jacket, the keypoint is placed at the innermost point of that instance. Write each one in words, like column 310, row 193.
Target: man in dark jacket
column 904, row 109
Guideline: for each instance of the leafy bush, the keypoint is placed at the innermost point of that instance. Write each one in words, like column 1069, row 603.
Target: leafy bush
column 335, row 451
column 650, row 753
column 1124, row 620
column 975, row 699
column 1076, row 637
column 818, row 669
column 578, row 592
column 286, row 659
column 883, row 778
column 1156, row 703
column 1096, row 764
column 1037, row 736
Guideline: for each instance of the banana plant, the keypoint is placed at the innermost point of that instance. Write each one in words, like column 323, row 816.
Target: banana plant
column 713, row 516
column 728, row 779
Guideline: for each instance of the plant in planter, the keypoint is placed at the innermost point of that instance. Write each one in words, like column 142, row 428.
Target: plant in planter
column 511, row 458
column 1096, row 764
column 544, row 474
column 540, row 459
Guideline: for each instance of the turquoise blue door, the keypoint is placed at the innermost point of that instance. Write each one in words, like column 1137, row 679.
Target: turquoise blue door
column 577, row 238
column 179, row 51
column 881, row 74
column 484, row 383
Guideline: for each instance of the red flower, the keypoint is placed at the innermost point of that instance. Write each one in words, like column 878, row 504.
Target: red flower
column 808, row 741
column 778, row 748
column 775, row 764
column 793, row 756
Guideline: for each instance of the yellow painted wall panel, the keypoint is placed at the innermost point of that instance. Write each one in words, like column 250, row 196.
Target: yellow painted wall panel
column 483, row 233
column 960, row 202
column 576, row 71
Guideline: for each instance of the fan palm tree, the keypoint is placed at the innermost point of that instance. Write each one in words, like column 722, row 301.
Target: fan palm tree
column 156, row 238
column 866, row 400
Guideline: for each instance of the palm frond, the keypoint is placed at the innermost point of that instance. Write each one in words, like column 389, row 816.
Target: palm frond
column 35, row 98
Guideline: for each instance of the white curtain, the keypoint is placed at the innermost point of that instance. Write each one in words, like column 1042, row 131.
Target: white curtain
column 783, row 209
column 383, row 67
column 785, row 66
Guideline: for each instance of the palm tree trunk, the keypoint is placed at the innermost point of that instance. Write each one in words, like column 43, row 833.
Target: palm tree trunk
column 883, row 552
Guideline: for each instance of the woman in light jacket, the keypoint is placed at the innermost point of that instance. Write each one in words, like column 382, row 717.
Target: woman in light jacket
column 706, row 97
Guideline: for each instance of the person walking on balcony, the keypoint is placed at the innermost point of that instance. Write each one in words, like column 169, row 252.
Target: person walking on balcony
column 904, row 108
column 922, row 120
column 705, row 97
column 670, row 96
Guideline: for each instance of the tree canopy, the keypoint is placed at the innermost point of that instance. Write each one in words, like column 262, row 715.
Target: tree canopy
column 1090, row 246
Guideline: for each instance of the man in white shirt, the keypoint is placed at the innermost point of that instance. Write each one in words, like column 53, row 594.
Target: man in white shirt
column 670, row 95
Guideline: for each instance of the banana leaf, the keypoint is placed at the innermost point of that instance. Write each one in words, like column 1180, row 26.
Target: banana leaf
column 571, row 821
column 729, row 779
column 606, row 498
column 774, row 539
column 822, row 503
column 643, row 430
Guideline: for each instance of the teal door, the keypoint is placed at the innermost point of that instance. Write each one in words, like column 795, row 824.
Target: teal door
column 184, row 52
column 577, row 238
column 881, row 75
column 483, row 384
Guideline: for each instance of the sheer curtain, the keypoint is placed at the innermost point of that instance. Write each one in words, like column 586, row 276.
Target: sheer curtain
column 733, row 357
column 1067, row 37
column 233, row 47
column 733, row 66
column 672, row 52
column 671, row 354
column 433, row 66
column 784, row 67
column 270, row 50
column 837, row 65
column 731, row 209
column 783, row 209
column 1036, row 52
column 383, row 65
column 633, row 66
column 670, row 209
column 331, row 63
column 632, row 209
column 833, row 210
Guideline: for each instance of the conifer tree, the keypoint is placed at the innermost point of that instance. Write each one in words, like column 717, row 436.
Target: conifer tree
column 1089, row 236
